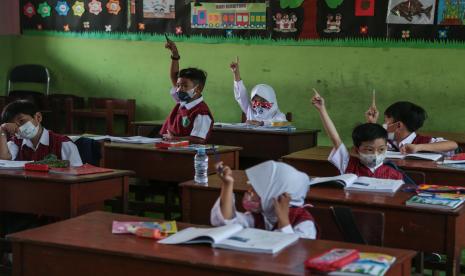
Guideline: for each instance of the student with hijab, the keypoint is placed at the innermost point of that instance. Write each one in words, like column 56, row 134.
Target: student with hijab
column 262, row 107
column 274, row 202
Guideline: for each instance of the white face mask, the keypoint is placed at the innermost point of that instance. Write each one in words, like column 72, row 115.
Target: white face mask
column 372, row 160
column 391, row 135
column 28, row 130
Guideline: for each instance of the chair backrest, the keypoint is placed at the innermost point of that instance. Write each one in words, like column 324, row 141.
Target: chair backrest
column 288, row 117
column 344, row 224
column 29, row 73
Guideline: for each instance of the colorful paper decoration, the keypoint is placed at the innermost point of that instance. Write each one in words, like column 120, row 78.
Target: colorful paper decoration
column 107, row 28
column 62, row 8
column 333, row 23
column 86, row 24
column 113, row 7
column 29, row 10
column 179, row 30
column 159, row 9
column 44, row 10
column 405, row 34
column 333, row 4
column 442, row 34
column 364, row 7
column 245, row 16
column 364, row 30
column 39, row 27
column 291, row 4
column 285, row 23
column 141, row 26
column 66, row 27
column 95, row 7
column 451, row 12
column 419, row 12
column 79, row 8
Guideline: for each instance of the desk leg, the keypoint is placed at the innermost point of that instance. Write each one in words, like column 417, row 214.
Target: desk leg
column 17, row 259
column 454, row 242
column 124, row 194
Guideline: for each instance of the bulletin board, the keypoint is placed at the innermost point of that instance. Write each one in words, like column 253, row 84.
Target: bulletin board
column 385, row 23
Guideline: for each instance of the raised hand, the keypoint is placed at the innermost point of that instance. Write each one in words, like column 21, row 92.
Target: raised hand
column 317, row 100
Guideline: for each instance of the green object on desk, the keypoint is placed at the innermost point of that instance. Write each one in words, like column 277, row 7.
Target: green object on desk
column 53, row 162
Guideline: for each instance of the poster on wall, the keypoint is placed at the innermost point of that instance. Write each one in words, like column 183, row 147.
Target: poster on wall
column 451, row 12
column 242, row 16
column 159, row 9
column 416, row 12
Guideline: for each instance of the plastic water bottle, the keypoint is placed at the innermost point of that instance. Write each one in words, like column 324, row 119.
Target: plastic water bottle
column 201, row 167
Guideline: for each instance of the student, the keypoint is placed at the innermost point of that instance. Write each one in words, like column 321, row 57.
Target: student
column 190, row 119
column 262, row 108
column 370, row 144
column 30, row 141
column 402, row 120
column 275, row 200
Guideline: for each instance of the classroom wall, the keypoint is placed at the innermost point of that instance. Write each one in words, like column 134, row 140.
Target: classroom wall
column 432, row 78
column 6, row 54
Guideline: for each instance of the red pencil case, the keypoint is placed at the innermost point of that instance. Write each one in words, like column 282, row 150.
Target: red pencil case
column 333, row 259
column 36, row 167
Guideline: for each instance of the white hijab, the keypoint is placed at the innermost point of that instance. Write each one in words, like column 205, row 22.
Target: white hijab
column 266, row 92
column 270, row 179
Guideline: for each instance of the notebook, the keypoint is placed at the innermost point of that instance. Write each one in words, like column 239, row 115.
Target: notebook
column 82, row 170
column 235, row 237
column 417, row 156
column 352, row 182
column 12, row 165
column 441, row 189
column 374, row 264
column 436, row 201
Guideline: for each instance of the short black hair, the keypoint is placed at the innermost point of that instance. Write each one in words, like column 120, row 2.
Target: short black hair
column 17, row 107
column 368, row 132
column 410, row 114
column 198, row 76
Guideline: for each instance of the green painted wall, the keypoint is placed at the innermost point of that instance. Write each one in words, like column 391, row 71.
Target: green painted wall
column 432, row 78
column 6, row 53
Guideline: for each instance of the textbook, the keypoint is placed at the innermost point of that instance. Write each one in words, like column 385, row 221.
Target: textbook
column 275, row 128
column 234, row 237
column 352, row 182
column 374, row 264
column 453, row 166
column 12, row 165
column 441, row 189
column 145, row 229
column 333, row 259
column 171, row 144
column 82, row 170
column 436, row 201
column 417, row 156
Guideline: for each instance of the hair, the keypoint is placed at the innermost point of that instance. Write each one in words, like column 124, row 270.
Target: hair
column 368, row 132
column 11, row 110
column 410, row 114
column 198, row 76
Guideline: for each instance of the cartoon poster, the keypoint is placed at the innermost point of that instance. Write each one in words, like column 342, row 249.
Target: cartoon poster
column 419, row 12
column 159, row 9
column 451, row 12
column 236, row 16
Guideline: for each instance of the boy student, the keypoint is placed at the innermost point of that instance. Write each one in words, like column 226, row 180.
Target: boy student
column 190, row 118
column 262, row 107
column 370, row 141
column 402, row 120
column 30, row 141
column 274, row 202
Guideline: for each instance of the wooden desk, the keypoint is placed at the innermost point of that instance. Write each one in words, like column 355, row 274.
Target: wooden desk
column 257, row 145
column 58, row 195
column 314, row 161
column 163, row 165
column 454, row 136
column 406, row 227
column 85, row 246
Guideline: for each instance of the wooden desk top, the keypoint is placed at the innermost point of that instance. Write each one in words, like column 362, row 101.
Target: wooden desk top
column 151, row 147
column 331, row 194
column 92, row 233
column 321, row 153
column 60, row 178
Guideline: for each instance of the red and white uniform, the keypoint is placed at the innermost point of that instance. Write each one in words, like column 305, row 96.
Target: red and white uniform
column 416, row 139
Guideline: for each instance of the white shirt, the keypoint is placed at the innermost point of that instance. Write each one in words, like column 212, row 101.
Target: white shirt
column 202, row 123
column 240, row 93
column 306, row 229
column 69, row 150
column 340, row 159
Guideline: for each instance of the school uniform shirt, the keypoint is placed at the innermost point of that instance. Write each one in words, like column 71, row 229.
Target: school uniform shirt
column 49, row 143
column 188, row 119
column 271, row 179
column 416, row 139
column 345, row 163
column 264, row 91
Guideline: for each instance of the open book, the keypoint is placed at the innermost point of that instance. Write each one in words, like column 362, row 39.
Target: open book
column 117, row 139
column 352, row 182
column 418, row 155
column 12, row 165
column 234, row 237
